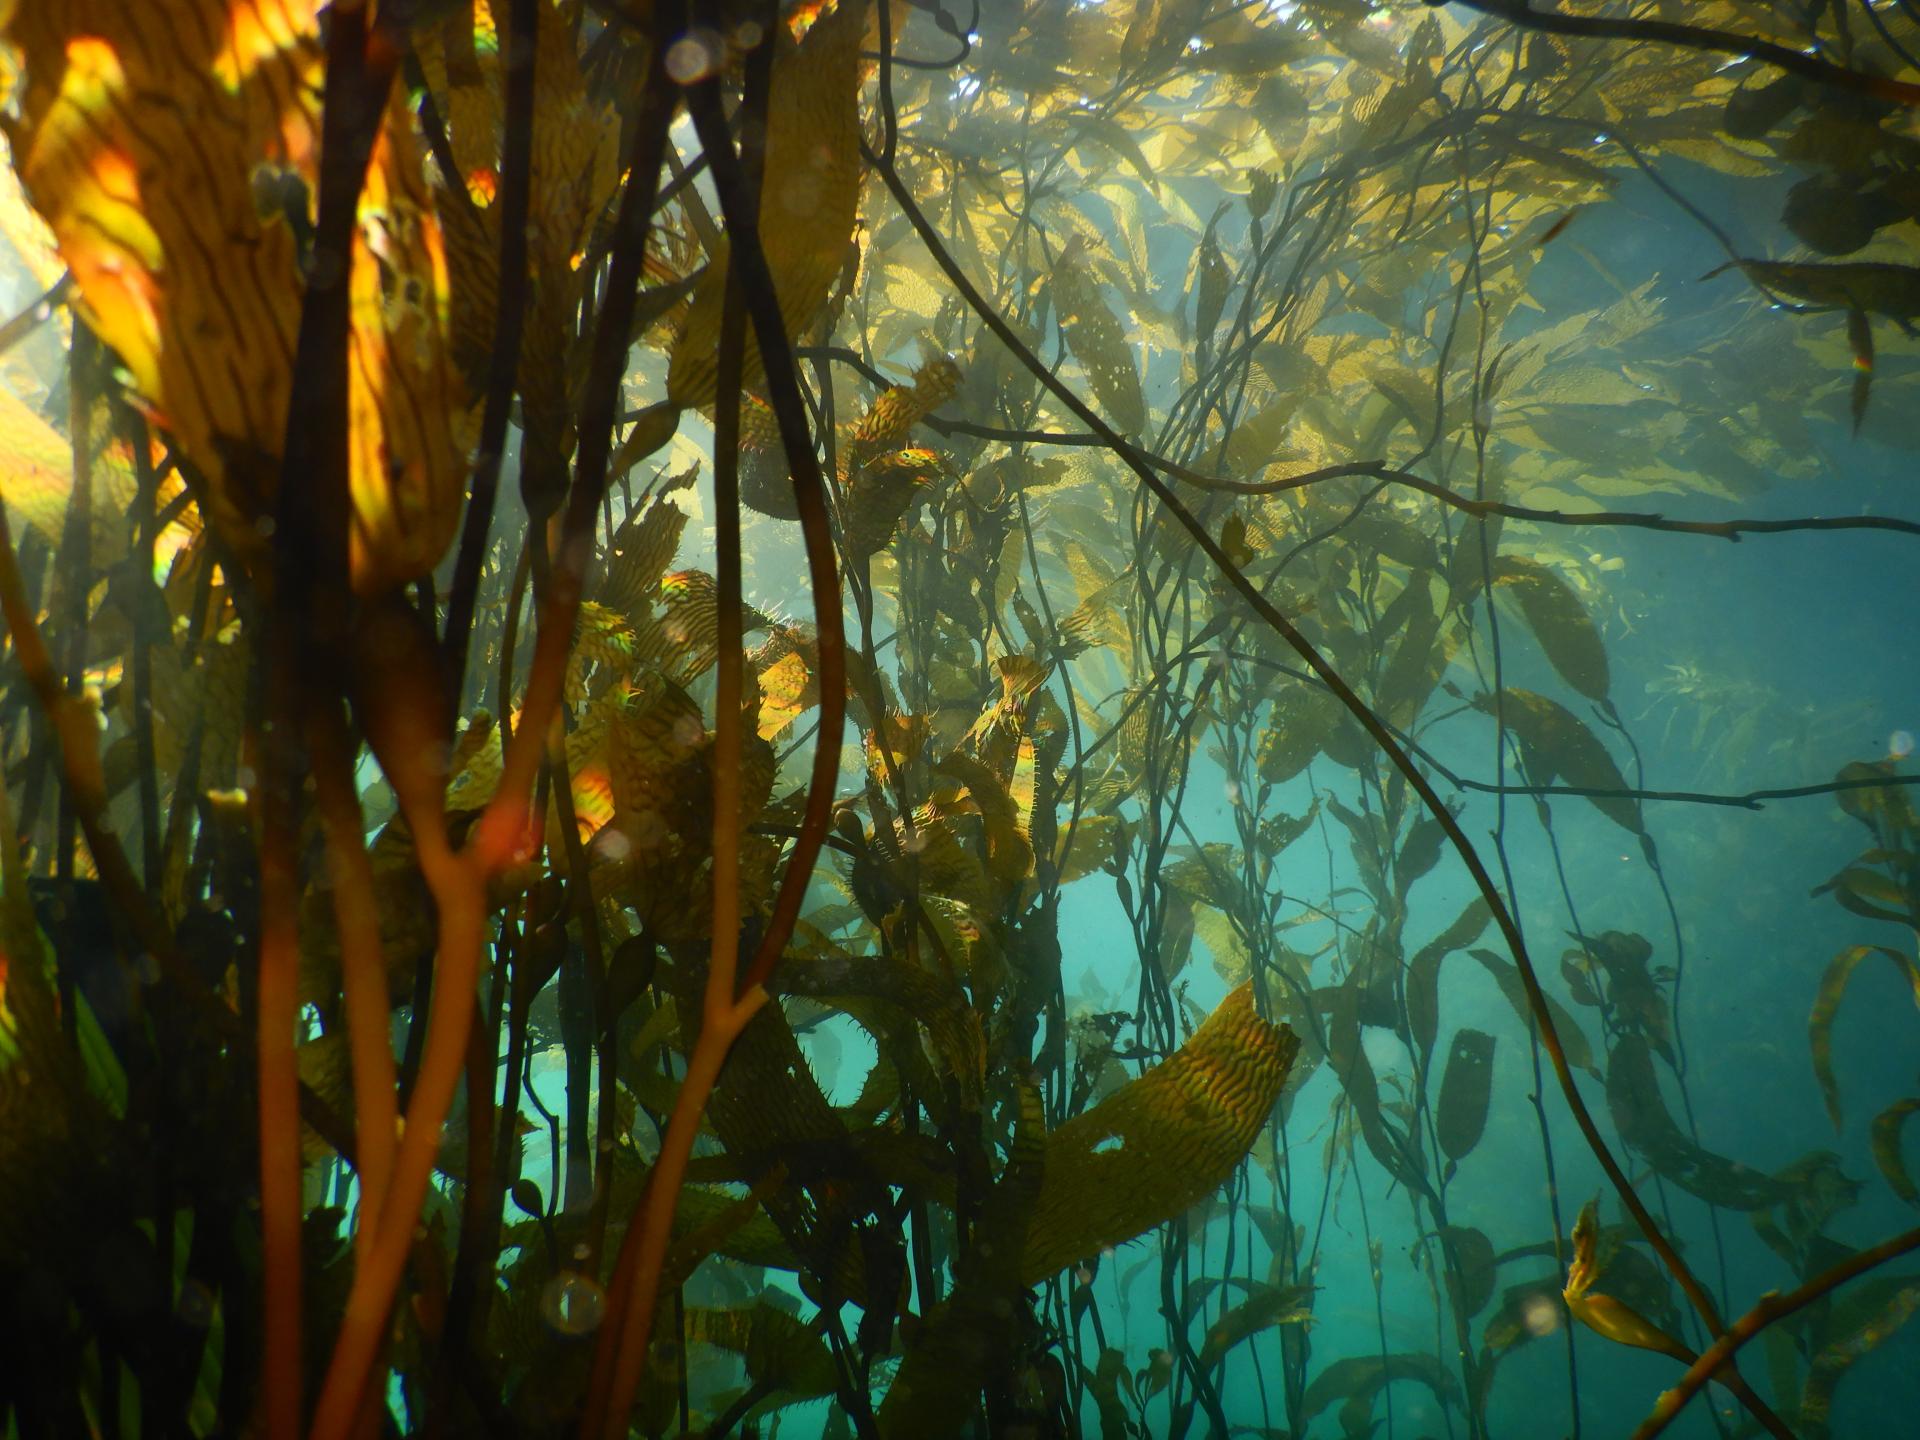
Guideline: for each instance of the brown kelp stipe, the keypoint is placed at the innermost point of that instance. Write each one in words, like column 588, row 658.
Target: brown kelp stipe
column 305, row 667
column 1436, row 807
column 458, row 878
column 730, row 1000
column 1697, row 37
column 1770, row 1309
column 1731, row 530
column 510, row 311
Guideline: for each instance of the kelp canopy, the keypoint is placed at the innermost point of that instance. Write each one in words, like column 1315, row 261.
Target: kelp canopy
column 894, row 720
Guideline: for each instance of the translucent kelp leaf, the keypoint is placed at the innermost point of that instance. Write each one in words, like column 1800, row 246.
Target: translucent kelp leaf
column 1883, row 809
column 639, row 554
column 1358, row 1380
column 1420, row 852
column 1621, row 1323
column 1826, row 1005
column 1417, row 662
column 1158, row 28
column 1868, row 893
column 1104, row 1384
column 930, row 1000
column 1423, row 972
column 880, row 493
column 1098, row 341
column 685, row 637
column 655, row 730
column 603, row 642
column 1466, row 1088
column 717, row 1222
column 1887, row 1126
column 1303, row 718
column 1875, row 286
column 787, row 690
column 781, row 1351
column 408, row 466
column 1397, row 1150
column 1572, row 1038
column 1158, row 1145
column 1232, row 961
column 1278, row 831
column 1557, row 744
column 1092, row 845
column 807, row 202
column 1605, row 1314
column 1863, row 1319
column 1558, row 621
column 1214, row 278
column 1473, row 1253
column 191, row 285
column 1257, row 441
column 1640, row 1112
column 1632, row 990
column 26, row 232
column 898, row 408
column 1265, row 1306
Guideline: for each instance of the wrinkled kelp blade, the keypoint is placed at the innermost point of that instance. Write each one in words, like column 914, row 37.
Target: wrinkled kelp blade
column 1162, row 1142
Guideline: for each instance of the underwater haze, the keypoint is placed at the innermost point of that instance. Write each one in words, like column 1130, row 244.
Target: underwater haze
column 1000, row 719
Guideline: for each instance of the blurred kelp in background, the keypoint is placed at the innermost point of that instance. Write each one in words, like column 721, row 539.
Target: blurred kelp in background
column 855, row 719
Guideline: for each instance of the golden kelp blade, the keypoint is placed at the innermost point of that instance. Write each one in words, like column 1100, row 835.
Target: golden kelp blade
column 1559, row 621
column 144, row 129
column 129, row 187
column 1826, row 1005
column 575, row 169
column 1886, row 1148
column 1098, row 341
column 808, row 199
column 898, row 408
column 1159, row 1144
column 1603, row 1314
column 408, row 467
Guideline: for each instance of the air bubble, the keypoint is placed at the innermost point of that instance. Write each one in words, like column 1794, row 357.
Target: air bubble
column 572, row 1303
column 694, row 56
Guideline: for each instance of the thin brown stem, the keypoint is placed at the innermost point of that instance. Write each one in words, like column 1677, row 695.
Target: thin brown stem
column 308, row 592
column 363, row 967
column 1771, row 1307
column 1698, row 37
column 509, row 316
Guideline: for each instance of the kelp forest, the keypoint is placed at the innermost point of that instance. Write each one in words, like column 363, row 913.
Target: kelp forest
column 977, row 718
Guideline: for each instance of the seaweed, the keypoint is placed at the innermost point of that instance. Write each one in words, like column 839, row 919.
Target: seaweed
column 867, row 659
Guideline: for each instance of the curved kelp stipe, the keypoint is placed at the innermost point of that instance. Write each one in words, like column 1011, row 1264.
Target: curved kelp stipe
column 750, row 287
